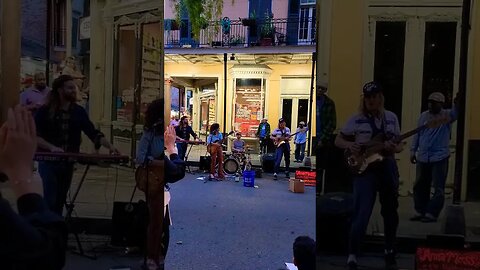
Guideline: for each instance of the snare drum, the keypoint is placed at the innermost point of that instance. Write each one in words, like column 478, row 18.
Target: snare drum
column 231, row 165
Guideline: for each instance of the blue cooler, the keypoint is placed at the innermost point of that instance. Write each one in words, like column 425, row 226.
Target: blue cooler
column 249, row 178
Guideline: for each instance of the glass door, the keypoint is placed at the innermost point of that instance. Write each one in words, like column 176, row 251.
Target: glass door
column 126, row 85
column 294, row 110
column 413, row 57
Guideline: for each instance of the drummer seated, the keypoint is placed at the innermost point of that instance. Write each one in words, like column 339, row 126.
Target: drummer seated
column 238, row 144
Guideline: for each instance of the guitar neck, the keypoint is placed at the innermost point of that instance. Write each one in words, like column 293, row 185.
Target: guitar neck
column 410, row 133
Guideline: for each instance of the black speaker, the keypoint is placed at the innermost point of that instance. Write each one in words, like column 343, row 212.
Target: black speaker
column 129, row 224
column 268, row 162
column 334, row 213
column 205, row 162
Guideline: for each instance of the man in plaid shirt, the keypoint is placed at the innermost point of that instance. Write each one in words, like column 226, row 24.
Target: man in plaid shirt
column 326, row 125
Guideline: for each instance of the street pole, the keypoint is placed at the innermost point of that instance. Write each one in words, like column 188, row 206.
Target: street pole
column 225, row 93
column 10, row 56
column 454, row 221
column 462, row 87
column 314, row 60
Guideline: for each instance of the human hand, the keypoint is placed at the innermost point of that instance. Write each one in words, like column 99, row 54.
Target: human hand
column 114, row 150
column 18, row 142
column 390, row 146
column 169, row 138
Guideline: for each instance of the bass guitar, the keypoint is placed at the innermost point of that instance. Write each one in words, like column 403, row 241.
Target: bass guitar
column 372, row 151
column 209, row 146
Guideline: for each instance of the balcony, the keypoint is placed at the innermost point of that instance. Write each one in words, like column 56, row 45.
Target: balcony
column 242, row 33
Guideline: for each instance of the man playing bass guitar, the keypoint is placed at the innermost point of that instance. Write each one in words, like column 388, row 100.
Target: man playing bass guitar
column 381, row 176
column 214, row 147
column 281, row 136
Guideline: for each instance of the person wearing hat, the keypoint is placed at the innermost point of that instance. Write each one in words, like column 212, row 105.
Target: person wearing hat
column 430, row 152
column 282, row 133
column 300, row 141
column 382, row 177
column 263, row 134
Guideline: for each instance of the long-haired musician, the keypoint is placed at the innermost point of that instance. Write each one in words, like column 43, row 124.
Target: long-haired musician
column 360, row 129
column 279, row 135
column 214, row 145
column 151, row 146
column 184, row 131
column 60, row 123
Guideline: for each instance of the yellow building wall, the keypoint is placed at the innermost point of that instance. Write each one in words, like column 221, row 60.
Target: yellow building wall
column 346, row 50
column 273, row 84
column 474, row 91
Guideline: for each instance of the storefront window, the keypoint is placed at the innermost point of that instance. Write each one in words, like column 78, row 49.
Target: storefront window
column 249, row 105
column 126, row 74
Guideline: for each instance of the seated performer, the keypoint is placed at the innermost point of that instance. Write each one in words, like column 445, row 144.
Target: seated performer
column 60, row 123
column 238, row 143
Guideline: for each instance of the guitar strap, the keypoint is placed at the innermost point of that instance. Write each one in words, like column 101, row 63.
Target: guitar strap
column 373, row 126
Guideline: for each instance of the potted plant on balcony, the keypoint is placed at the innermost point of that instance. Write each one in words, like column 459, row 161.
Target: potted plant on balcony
column 199, row 13
column 237, row 41
column 250, row 21
column 267, row 31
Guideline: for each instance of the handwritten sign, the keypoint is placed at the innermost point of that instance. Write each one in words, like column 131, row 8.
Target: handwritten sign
column 84, row 27
column 309, row 177
column 443, row 259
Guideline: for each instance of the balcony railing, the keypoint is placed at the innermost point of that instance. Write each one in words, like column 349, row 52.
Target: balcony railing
column 242, row 33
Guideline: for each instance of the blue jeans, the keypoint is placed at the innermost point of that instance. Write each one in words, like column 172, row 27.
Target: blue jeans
column 56, row 178
column 283, row 150
column 182, row 150
column 427, row 173
column 300, row 151
column 382, row 177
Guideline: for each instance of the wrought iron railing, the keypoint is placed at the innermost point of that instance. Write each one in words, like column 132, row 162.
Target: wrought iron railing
column 242, row 33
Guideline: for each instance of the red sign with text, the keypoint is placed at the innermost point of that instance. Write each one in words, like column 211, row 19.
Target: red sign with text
column 309, row 177
column 443, row 259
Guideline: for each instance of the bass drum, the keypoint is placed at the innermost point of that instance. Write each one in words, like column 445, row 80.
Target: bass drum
column 231, row 166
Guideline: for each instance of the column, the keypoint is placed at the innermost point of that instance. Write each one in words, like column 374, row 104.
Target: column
column 68, row 27
column 97, row 62
column 348, row 23
column 10, row 53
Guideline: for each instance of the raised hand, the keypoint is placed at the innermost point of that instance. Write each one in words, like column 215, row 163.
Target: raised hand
column 18, row 142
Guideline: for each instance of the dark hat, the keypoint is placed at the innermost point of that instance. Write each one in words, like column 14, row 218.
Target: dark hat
column 372, row 88
column 281, row 120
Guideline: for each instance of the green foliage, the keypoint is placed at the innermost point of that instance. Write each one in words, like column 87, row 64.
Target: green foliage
column 267, row 29
column 200, row 13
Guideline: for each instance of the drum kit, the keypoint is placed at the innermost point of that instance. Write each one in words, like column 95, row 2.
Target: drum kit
column 237, row 162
